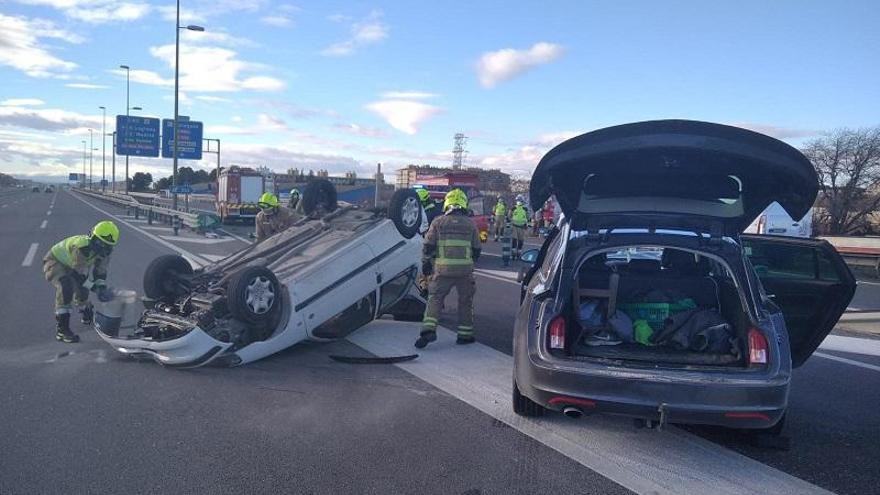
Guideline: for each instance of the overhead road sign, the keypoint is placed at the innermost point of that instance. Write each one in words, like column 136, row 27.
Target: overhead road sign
column 137, row 136
column 189, row 133
column 182, row 189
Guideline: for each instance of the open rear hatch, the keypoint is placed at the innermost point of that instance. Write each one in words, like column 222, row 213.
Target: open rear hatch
column 674, row 174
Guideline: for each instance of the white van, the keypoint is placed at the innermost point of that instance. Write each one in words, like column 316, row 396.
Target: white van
column 775, row 221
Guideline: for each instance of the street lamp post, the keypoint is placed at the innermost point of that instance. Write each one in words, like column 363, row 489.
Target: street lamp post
column 104, row 150
column 127, row 88
column 177, row 29
column 84, row 164
column 91, row 154
column 113, row 161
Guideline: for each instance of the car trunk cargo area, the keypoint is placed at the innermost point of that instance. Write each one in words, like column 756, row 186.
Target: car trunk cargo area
column 654, row 306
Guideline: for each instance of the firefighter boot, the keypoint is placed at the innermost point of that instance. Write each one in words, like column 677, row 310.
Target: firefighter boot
column 426, row 337
column 62, row 329
column 88, row 314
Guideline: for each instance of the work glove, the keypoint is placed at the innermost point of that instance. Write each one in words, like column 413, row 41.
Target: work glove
column 427, row 268
column 105, row 294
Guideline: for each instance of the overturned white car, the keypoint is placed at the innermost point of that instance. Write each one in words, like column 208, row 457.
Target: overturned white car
column 331, row 273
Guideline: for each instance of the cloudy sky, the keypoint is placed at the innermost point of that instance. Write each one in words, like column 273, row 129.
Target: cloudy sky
column 344, row 85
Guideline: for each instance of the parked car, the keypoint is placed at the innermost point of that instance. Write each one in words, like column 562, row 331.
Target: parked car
column 328, row 275
column 35, row 189
column 648, row 302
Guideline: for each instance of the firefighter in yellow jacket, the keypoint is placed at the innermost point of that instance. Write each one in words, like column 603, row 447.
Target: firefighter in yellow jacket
column 76, row 265
column 273, row 217
column 451, row 247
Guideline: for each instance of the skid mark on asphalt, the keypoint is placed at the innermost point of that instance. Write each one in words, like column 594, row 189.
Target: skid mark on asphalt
column 669, row 461
column 29, row 257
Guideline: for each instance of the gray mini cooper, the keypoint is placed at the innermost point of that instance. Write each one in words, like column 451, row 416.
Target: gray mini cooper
column 647, row 301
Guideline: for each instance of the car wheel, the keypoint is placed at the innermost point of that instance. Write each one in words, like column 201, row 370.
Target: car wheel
column 319, row 194
column 254, row 295
column 524, row 406
column 405, row 210
column 167, row 278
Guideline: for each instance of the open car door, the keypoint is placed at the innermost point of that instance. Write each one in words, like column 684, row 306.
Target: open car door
column 808, row 280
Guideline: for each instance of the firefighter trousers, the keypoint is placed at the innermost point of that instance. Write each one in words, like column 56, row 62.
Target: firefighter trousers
column 439, row 287
column 68, row 286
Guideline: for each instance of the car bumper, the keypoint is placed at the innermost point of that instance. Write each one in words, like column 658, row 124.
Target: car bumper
column 195, row 348
column 733, row 399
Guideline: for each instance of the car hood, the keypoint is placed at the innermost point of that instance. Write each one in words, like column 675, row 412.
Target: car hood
column 673, row 174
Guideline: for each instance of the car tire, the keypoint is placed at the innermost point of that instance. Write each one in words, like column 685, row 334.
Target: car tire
column 164, row 278
column 523, row 406
column 254, row 295
column 319, row 193
column 405, row 210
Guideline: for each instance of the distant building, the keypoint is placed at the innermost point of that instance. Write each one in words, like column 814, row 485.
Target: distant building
column 487, row 181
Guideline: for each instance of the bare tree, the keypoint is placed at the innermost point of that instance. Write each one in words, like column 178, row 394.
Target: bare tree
column 848, row 164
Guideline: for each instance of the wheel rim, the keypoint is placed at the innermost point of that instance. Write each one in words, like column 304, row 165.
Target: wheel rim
column 409, row 212
column 259, row 295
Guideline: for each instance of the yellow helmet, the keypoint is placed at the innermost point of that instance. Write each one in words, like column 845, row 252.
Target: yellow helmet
column 424, row 195
column 107, row 232
column 268, row 200
column 455, row 198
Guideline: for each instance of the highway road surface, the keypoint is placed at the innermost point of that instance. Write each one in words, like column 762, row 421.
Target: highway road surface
column 83, row 419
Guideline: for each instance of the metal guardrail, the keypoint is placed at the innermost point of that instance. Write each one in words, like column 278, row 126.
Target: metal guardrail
column 174, row 219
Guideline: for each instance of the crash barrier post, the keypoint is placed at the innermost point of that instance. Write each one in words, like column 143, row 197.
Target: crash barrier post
column 176, row 224
column 150, row 216
column 195, row 221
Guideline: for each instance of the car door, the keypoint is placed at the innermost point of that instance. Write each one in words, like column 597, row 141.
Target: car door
column 808, row 280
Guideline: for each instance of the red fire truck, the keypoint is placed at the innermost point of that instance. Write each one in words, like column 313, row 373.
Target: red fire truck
column 238, row 191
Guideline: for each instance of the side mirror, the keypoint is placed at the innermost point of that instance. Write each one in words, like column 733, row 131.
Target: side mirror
column 529, row 256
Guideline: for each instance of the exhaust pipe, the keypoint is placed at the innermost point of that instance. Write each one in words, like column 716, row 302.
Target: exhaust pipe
column 572, row 412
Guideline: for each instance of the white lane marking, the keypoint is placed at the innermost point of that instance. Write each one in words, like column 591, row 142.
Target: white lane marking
column 851, row 362
column 4, row 206
column 195, row 240
column 478, row 271
column 240, row 238
column 43, row 225
column 861, row 316
column 868, row 283
column 498, row 273
column 29, row 257
column 852, row 345
column 48, row 213
column 664, row 462
column 194, row 260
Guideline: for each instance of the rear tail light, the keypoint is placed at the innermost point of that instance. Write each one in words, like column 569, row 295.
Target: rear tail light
column 557, row 333
column 758, row 349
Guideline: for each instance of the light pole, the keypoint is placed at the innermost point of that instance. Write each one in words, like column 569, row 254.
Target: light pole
column 112, row 160
column 104, row 150
column 177, row 29
column 91, row 153
column 127, row 87
column 84, row 164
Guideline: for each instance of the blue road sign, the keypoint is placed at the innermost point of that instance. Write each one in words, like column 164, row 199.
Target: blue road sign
column 73, row 177
column 182, row 189
column 137, row 136
column 190, row 135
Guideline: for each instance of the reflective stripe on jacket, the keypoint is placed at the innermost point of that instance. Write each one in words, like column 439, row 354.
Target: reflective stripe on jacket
column 74, row 254
column 450, row 244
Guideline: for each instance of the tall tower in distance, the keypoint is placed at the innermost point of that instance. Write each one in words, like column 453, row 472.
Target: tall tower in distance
column 458, row 151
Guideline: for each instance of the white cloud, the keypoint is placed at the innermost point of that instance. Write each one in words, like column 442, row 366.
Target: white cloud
column 280, row 21
column 338, row 18
column 213, row 99
column 22, row 102
column 408, row 95
column 187, row 15
column 21, row 48
column 206, row 69
column 554, row 138
column 502, row 65
column 96, row 11
column 404, row 115
column 86, row 86
column 777, row 131
column 215, row 37
column 362, row 131
column 46, row 119
column 366, row 32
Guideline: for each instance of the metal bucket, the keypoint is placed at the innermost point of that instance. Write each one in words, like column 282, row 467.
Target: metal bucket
column 109, row 315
